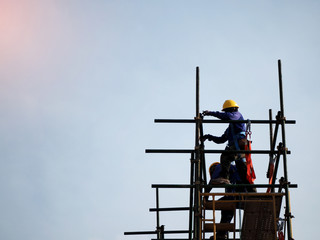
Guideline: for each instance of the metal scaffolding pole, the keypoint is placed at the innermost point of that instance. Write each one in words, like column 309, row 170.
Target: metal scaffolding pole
column 197, row 207
column 212, row 151
column 177, row 186
column 191, row 196
column 285, row 169
column 221, row 121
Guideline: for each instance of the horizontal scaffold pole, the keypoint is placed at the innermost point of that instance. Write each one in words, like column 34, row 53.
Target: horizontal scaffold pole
column 155, row 232
column 212, row 151
column 172, row 186
column 252, row 185
column 222, row 185
column 221, row 121
column 169, row 209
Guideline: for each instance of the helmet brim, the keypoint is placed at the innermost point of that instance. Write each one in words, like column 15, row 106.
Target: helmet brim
column 229, row 107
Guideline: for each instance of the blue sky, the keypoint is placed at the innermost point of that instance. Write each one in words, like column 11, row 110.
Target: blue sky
column 82, row 82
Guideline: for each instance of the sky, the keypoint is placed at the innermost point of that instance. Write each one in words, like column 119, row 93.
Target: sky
column 81, row 83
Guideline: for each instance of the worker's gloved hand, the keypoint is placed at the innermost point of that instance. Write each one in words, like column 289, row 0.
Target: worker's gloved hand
column 205, row 137
column 205, row 113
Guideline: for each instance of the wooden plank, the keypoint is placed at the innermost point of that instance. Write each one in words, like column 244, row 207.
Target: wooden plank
column 259, row 218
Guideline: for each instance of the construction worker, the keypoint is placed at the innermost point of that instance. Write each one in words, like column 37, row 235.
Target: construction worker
column 215, row 170
column 235, row 135
column 226, row 215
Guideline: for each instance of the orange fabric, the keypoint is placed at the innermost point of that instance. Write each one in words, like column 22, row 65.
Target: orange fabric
column 280, row 235
column 251, row 176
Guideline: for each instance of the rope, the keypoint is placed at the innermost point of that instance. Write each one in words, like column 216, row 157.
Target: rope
column 248, row 130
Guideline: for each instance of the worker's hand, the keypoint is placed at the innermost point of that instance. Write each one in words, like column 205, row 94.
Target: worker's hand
column 205, row 113
column 202, row 139
column 205, row 137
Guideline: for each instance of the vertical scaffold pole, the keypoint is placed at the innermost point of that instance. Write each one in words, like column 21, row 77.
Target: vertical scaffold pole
column 197, row 95
column 158, row 216
column 271, row 157
column 282, row 119
column 197, row 169
column 191, row 196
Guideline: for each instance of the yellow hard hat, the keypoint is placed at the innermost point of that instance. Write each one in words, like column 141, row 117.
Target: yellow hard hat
column 212, row 166
column 229, row 104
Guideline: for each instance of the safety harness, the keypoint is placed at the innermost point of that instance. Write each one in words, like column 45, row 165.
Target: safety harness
column 251, row 176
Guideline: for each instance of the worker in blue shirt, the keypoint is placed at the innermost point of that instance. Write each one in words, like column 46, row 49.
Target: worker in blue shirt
column 215, row 170
column 226, row 215
column 235, row 136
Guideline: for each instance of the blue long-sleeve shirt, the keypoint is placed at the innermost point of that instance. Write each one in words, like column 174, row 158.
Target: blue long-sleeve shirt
column 238, row 128
column 234, row 179
column 234, row 174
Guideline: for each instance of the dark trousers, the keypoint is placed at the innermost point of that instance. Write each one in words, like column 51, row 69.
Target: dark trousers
column 226, row 216
column 226, row 159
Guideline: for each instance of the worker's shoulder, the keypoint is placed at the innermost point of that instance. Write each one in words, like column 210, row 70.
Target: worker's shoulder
column 234, row 115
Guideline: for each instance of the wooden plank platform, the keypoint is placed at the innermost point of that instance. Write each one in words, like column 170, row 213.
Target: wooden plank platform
column 259, row 220
column 260, row 214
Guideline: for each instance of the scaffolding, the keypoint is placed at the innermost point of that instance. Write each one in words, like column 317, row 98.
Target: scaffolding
column 261, row 211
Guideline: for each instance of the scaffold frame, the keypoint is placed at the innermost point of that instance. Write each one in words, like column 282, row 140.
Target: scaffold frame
column 198, row 178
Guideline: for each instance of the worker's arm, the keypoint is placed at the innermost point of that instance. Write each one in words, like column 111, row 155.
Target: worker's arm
column 207, row 189
column 217, row 114
column 213, row 175
column 216, row 139
column 211, row 182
